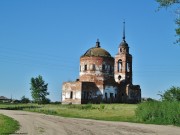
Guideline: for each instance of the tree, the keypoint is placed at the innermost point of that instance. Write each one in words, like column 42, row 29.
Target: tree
column 25, row 100
column 39, row 90
column 168, row 3
column 172, row 94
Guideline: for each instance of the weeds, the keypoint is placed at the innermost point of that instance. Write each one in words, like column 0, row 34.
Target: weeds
column 120, row 112
column 159, row 112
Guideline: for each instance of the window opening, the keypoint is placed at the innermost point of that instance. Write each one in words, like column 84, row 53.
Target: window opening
column 119, row 65
column 128, row 67
column 106, row 96
column 85, row 67
column 71, row 95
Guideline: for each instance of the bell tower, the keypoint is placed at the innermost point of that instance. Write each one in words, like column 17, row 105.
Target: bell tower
column 123, row 62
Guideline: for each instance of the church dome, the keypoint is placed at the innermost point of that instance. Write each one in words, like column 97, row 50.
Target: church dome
column 97, row 51
column 123, row 44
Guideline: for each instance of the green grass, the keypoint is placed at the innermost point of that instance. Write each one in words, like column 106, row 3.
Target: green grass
column 110, row 112
column 166, row 113
column 148, row 112
column 8, row 125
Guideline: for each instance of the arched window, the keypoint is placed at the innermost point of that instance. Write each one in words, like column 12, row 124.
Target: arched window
column 119, row 65
column 85, row 67
column 128, row 66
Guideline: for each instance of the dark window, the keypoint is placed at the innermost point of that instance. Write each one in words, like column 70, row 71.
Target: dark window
column 128, row 66
column 111, row 95
column 106, row 96
column 85, row 67
column 71, row 95
column 119, row 77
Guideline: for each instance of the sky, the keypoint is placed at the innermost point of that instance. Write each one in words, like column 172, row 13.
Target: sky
column 47, row 38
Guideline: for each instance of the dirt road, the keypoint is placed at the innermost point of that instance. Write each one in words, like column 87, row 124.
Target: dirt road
column 40, row 124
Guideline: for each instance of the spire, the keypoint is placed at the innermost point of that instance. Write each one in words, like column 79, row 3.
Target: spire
column 98, row 43
column 124, row 32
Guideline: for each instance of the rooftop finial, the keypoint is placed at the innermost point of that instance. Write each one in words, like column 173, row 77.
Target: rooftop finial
column 98, row 43
column 124, row 31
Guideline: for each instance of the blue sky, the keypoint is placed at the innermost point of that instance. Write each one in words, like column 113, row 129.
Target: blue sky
column 47, row 37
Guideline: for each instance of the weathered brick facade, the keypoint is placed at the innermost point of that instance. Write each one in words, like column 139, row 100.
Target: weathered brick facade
column 103, row 78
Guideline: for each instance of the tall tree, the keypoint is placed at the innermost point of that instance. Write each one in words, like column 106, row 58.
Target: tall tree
column 39, row 90
column 168, row 3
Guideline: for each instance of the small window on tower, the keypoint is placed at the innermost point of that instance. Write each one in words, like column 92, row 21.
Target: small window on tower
column 128, row 67
column 119, row 65
column 85, row 67
column 119, row 77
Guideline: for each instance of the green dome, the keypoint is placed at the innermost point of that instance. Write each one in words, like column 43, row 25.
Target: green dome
column 97, row 51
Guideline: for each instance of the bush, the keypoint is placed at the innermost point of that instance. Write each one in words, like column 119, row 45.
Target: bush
column 159, row 112
column 25, row 100
column 172, row 94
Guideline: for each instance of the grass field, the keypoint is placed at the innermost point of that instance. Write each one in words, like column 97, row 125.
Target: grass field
column 155, row 112
column 147, row 112
column 110, row 112
column 8, row 125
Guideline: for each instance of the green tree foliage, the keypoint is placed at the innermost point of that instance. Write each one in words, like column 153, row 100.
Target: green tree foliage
column 172, row 94
column 168, row 3
column 39, row 90
column 25, row 100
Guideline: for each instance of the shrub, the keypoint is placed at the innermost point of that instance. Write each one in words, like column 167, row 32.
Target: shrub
column 159, row 112
column 172, row 94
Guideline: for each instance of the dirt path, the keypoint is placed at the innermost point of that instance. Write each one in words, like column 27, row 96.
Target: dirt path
column 40, row 124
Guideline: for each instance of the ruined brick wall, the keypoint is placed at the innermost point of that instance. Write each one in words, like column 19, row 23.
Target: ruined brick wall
column 133, row 93
column 94, row 69
column 93, row 93
column 71, row 92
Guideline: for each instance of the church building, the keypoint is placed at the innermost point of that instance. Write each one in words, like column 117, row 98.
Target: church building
column 103, row 78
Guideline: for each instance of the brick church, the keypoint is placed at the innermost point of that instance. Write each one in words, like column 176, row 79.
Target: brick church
column 103, row 78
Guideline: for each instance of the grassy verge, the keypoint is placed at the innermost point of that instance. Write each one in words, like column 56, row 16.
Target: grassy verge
column 148, row 112
column 159, row 113
column 8, row 125
column 110, row 112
